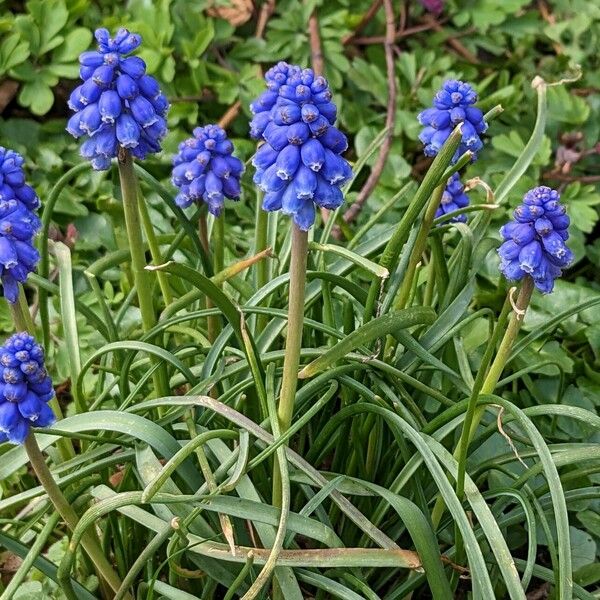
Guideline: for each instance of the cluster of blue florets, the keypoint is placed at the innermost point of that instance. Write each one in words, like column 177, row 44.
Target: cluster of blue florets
column 452, row 105
column 117, row 105
column 535, row 240
column 25, row 388
column 205, row 170
column 18, row 224
column 453, row 198
column 300, row 163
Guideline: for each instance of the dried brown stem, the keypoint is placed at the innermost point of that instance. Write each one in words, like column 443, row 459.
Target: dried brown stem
column 454, row 43
column 266, row 11
column 571, row 178
column 230, row 114
column 390, row 118
column 316, row 53
column 366, row 19
column 380, row 39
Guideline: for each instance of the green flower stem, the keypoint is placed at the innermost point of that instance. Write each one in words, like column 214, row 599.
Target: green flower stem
column 419, row 247
column 218, row 255
column 141, row 276
column 261, row 273
column 486, row 383
column 62, row 505
column 212, row 322
column 218, row 235
column 391, row 253
column 293, row 343
column 20, row 313
column 155, row 252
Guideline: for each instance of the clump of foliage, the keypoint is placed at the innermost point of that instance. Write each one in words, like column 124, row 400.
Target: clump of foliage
column 353, row 365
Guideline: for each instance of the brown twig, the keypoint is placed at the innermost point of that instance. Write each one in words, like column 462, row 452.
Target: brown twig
column 265, row 13
column 366, row 19
column 316, row 54
column 230, row 114
column 380, row 39
column 8, row 90
column 456, row 45
column 549, row 18
column 390, row 118
column 571, row 178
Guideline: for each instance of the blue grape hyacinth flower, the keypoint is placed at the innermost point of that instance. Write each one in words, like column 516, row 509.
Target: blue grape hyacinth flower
column 300, row 163
column 453, row 198
column 117, row 105
column 25, row 388
column 534, row 242
column 452, row 105
column 18, row 224
column 204, row 169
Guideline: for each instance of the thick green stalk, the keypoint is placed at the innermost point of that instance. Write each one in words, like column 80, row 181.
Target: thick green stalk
column 431, row 180
column 20, row 313
column 474, row 413
column 295, row 323
column 261, row 272
column 62, row 505
column 155, row 252
column 141, row 276
column 419, row 247
column 293, row 343
column 212, row 322
column 219, row 243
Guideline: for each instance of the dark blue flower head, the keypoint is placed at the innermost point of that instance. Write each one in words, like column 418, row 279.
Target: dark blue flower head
column 18, row 224
column 25, row 388
column 205, row 170
column 300, row 163
column 117, row 105
column 535, row 240
column 452, row 105
column 453, row 198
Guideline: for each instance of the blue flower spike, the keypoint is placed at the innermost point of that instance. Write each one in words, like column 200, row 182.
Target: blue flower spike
column 453, row 104
column 534, row 241
column 18, row 224
column 117, row 105
column 453, row 198
column 300, row 164
column 205, row 170
column 25, row 388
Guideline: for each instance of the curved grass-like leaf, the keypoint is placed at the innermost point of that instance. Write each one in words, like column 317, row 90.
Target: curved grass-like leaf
column 129, row 424
column 377, row 328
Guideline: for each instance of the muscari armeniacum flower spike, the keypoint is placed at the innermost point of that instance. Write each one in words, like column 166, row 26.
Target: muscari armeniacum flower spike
column 452, row 105
column 18, row 224
column 300, row 163
column 117, row 105
column 453, row 198
column 534, row 241
column 204, row 169
column 25, row 388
